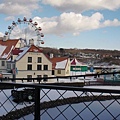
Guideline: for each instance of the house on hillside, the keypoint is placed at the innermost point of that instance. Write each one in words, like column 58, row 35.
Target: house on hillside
column 29, row 62
column 61, row 66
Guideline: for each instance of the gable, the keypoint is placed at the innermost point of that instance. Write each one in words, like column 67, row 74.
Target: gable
column 33, row 48
column 75, row 62
column 27, row 49
column 9, row 45
column 2, row 48
column 61, row 65
column 57, row 61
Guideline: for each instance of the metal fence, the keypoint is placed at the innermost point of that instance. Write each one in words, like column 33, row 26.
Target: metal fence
column 58, row 102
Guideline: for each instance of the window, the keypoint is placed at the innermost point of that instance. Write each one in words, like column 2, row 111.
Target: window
column 45, row 67
column 67, row 72
column 45, row 78
column 2, row 63
column 39, row 67
column 53, row 72
column 39, row 60
column 13, row 66
column 29, row 67
column 39, row 76
column 29, row 59
column 29, row 76
column 59, row 71
column 8, row 66
column 11, row 57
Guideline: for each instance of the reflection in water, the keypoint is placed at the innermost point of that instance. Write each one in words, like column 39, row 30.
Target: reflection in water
column 84, row 111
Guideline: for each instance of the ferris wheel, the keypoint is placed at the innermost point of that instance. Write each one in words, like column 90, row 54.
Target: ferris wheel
column 25, row 30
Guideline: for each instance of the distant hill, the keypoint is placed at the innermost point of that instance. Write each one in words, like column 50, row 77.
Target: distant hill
column 100, row 55
column 87, row 51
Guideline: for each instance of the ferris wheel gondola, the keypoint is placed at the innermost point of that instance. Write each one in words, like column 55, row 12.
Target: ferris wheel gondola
column 25, row 30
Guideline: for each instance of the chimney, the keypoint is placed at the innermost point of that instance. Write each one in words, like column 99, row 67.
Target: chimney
column 5, row 38
column 51, row 55
column 1, row 38
column 31, row 42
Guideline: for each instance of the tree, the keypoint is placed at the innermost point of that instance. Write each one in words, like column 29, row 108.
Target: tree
column 62, row 51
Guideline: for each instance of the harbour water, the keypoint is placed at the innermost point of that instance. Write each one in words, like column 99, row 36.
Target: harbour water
column 82, row 111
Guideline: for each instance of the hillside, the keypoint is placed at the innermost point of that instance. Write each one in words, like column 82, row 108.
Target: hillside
column 95, row 56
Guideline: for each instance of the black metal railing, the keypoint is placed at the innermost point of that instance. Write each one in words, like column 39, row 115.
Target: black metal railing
column 69, row 78
column 58, row 102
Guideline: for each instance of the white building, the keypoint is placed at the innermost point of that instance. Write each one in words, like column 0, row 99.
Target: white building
column 61, row 66
column 6, row 46
column 29, row 62
column 23, row 62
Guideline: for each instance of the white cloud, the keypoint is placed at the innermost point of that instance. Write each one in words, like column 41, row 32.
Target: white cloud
column 9, row 18
column 73, row 23
column 115, row 22
column 1, row 34
column 66, row 23
column 18, row 7
column 80, row 5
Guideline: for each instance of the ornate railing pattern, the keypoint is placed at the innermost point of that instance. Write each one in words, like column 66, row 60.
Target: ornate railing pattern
column 54, row 101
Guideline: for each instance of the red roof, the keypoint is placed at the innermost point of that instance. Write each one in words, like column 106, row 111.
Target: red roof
column 10, row 44
column 16, row 51
column 24, row 50
column 34, row 48
column 57, row 59
column 73, row 62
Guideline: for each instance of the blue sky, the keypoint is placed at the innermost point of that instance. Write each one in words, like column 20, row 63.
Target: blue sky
column 93, row 24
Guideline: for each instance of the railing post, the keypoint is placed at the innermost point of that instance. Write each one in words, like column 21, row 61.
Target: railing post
column 37, row 103
column 57, row 79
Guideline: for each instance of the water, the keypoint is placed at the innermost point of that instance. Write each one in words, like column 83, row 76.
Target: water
column 82, row 111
